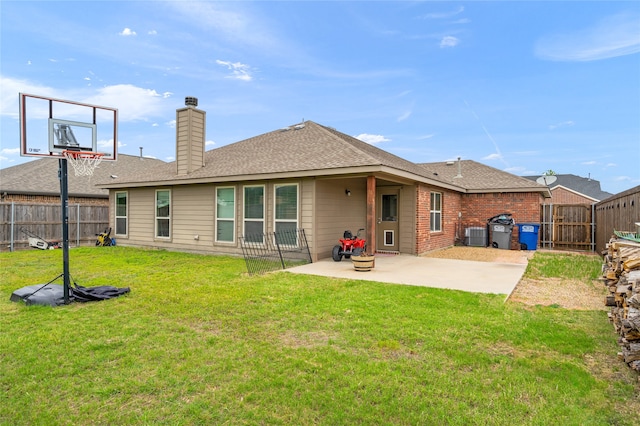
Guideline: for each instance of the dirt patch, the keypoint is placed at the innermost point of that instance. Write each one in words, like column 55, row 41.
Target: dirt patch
column 482, row 254
column 568, row 294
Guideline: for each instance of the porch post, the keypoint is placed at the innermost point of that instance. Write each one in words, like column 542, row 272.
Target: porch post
column 371, row 214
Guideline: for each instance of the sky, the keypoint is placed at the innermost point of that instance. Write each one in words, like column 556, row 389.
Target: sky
column 525, row 87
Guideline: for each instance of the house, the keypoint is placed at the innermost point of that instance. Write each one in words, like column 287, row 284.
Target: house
column 572, row 189
column 37, row 181
column 30, row 200
column 312, row 177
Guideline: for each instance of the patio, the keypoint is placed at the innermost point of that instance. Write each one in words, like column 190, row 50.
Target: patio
column 464, row 275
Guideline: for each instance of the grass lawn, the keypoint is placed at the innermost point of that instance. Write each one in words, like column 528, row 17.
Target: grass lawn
column 198, row 341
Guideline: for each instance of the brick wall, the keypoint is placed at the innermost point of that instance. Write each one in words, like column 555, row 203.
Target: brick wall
column 564, row 196
column 451, row 206
column 524, row 207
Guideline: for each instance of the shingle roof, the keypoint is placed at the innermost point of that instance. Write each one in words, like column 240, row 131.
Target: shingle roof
column 585, row 186
column 477, row 177
column 304, row 148
column 310, row 149
column 40, row 177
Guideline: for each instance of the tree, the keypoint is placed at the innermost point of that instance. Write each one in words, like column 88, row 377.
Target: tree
column 549, row 173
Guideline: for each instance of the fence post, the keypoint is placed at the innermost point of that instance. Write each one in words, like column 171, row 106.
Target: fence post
column 13, row 214
column 275, row 237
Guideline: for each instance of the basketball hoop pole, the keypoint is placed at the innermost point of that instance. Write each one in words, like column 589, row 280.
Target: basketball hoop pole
column 64, row 196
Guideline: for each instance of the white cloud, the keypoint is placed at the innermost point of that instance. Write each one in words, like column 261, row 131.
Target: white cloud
column 611, row 165
column 443, row 15
column 420, row 138
column 449, row 41
column 10, row 151
column 404, row 116
column 239, row 70
column 171, row 124
column 588, row 163
column 372, row 139
column 152, row 32
column 127, row 32
column 492, row 157
column 133, row 103
column 209, row 143
column 167, row 94
column 515, row 170
column 612, row 36
column 562, row 124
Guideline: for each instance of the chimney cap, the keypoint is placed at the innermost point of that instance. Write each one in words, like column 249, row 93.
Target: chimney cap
column 191, row 101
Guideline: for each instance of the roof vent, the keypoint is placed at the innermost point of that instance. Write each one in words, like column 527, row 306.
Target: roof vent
column 191, row 101
column 298, row 126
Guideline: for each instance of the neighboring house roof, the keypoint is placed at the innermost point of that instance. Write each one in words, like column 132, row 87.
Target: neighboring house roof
column 40, row 177
column 586, row 187
column 308, row 149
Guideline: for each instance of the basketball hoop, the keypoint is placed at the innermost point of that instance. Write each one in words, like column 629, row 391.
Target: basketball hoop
column 83, row 162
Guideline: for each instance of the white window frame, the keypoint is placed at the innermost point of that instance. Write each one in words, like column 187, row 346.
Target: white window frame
column 163, row 237
column 126, row 213
column 232, row 219
column 393, row 237
column 435, row 215
column 275, row 201
column 244, row 211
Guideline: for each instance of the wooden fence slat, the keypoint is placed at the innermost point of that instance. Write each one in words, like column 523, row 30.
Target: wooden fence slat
column 45, row 220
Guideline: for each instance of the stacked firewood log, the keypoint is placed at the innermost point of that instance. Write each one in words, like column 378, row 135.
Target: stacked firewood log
column 621, row 274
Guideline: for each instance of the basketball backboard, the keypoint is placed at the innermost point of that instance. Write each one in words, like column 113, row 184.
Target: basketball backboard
column 49, row 126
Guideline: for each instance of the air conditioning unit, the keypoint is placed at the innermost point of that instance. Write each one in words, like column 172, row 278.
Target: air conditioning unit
column 475, row 236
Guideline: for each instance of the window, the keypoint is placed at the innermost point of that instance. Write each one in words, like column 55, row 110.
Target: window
column 163, row 213
column 225, row 214
column 121, row 213
column 286, row 212
column 435, row 216
column 254, row 214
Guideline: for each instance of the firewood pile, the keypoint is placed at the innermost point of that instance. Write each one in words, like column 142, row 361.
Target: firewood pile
column 621, row 274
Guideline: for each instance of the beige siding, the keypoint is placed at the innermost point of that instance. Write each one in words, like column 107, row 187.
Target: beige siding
column 141, row 216
column 335, row 212
column 407, row 219
column 190, row 135
column 192, row 215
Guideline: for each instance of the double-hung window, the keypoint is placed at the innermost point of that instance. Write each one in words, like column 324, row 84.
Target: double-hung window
column 286, row 213
column 225, row 214
column 163, row 213
column 254, row 214
column 121, row 213
column 435, row 212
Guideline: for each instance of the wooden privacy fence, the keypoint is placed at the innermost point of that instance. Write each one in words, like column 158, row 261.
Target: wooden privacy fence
column 567, row 227
column 45, row 221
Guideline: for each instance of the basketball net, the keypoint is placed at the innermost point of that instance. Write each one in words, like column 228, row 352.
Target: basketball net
column 83, row 162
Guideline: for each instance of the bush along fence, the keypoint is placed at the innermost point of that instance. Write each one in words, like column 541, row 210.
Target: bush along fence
column 266, row 252
column 621, row 274
column 45, row 221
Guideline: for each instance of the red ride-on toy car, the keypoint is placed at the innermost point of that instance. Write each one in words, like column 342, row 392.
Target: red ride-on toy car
column 349, row 246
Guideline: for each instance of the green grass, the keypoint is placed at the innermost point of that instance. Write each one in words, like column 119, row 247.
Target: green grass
column 564, row 265
column 198, row 341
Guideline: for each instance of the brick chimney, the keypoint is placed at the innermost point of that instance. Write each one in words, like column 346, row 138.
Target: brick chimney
column 190, row 134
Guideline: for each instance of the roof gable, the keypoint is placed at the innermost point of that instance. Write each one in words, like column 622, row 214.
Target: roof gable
column 587, row 187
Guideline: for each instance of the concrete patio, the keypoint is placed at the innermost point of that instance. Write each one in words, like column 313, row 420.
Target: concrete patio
column 471, row 276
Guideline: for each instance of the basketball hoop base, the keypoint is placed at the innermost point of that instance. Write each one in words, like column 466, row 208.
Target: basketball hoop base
column 83, row 162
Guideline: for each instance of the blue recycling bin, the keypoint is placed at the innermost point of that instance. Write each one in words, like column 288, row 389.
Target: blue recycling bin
column 528, row 235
